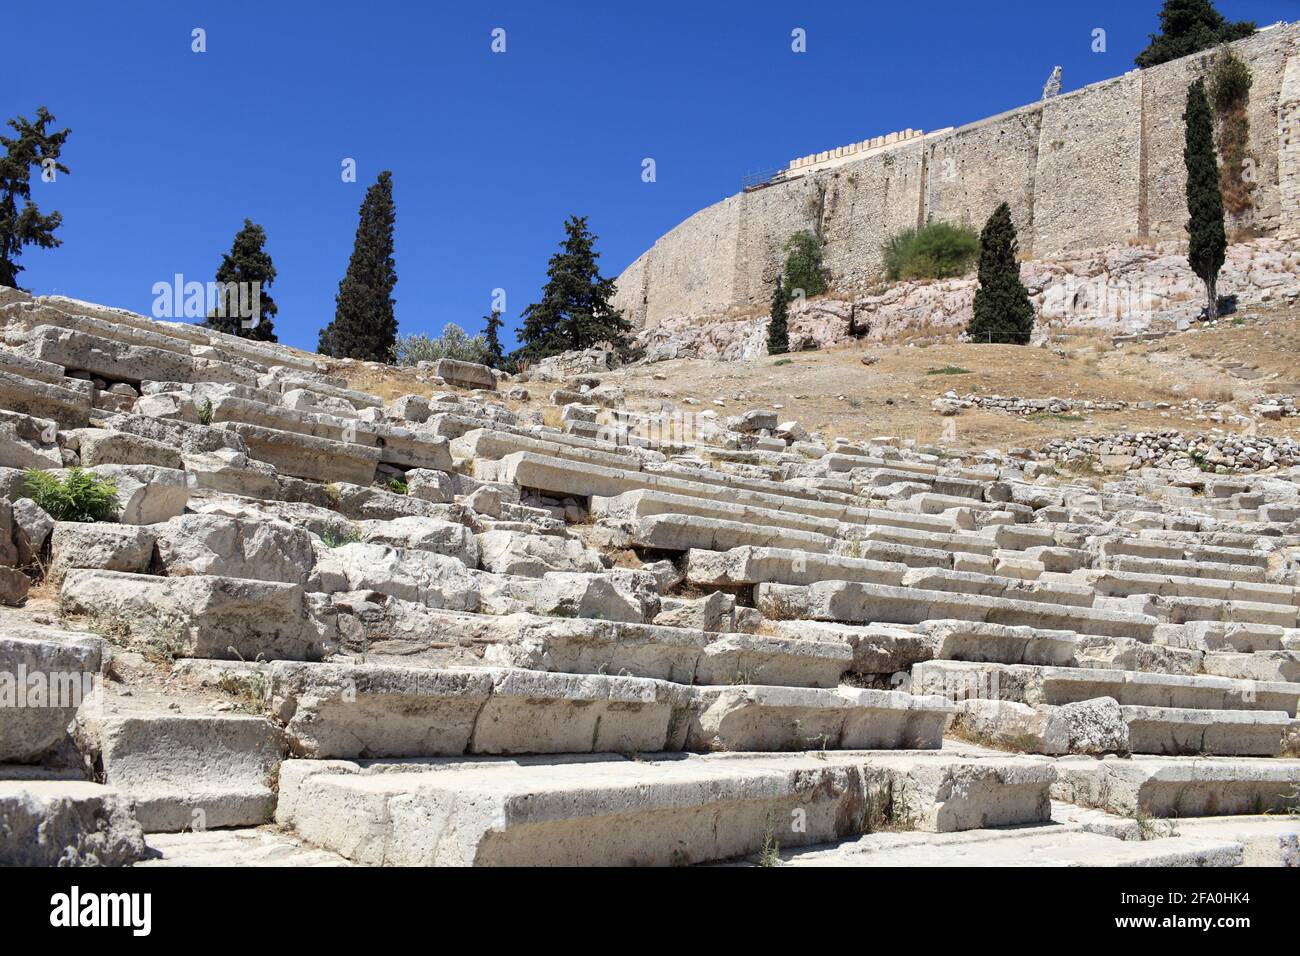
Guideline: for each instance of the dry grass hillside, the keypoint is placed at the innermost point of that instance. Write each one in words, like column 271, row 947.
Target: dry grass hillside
column 1235, row 364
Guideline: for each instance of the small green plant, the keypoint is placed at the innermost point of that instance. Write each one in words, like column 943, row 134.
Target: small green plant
column 937, row 250
column 205, row 412
column 948, row 370
column 79, row 496
column 248, row 690
column 1053, row 417
column 769, row 854
column 396, row 485
column 783, row 362
column 1150, row 828
column 336, row 537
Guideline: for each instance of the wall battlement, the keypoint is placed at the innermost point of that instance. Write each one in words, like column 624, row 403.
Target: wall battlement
column 1093, row 167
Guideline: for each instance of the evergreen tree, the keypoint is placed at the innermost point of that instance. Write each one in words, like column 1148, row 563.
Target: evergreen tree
column 1208, row 242
column 245, row 268
column 364, row 326
column 803, row 264
column 1187, row 27
column 1003, row 312
column 778, row 331
column 33, row 147
column 492, row 354
column 575, row 311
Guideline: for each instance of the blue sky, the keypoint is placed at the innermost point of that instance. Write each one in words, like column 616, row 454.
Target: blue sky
column 170, row 149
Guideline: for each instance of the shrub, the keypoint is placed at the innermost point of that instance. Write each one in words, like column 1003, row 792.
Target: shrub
column 803, row 264
column 454, row 343
column 938, row 250
column 80, row 496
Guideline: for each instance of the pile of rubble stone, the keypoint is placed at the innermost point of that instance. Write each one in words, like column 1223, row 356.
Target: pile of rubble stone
column 1222, row 453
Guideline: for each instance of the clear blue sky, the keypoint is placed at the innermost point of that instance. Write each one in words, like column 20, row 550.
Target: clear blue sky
column 171, row 149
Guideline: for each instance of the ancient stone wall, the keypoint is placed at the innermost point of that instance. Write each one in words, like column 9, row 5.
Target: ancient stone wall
column 1102, row 165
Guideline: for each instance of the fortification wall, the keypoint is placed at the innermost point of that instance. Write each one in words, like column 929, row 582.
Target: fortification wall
column 1098, row 166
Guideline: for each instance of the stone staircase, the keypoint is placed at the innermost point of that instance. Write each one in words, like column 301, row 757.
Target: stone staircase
column 435, row 630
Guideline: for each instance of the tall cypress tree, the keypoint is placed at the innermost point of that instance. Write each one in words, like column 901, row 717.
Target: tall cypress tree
column 33, row 147
column 492, row 354
column 1187, row 27
column 778, row 331
column 1003, row 312
column 575, row 311
column 1208, row 242
column 364, row 326
column 248, row 266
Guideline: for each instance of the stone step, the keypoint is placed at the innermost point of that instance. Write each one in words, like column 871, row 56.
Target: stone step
column 851, row 602
column 235, row 848
column 605, row 810
column 306, row 456
column 1126, row 583
column 67, row 823
column 1182, row 730
column 1179, row 786
column 1191, row 569
column 67, row 401
column 372, row 710
column 187, row 772
column 674, row 532
column 1040, row 846
column 1030, row 684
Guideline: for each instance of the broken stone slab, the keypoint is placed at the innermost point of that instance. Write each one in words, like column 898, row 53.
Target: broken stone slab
column 671, row 532
column 67, row 823
column 1095, row 726
column 216, row 544
column 306, row 456
column 765, row 718
column 1181, row 730
column 45, row 676
column 748, row 565
column 100, row 446
column 533, row 555
column 465, row 374
column 437, row 580
column 566, row 594
column 1261, row 665
column 604, row 810
column 199, row 615
column 66, row 402
column 28, row 442
column 1179, row 786
column 420, row 533
column 110, row 547
column 187, row 772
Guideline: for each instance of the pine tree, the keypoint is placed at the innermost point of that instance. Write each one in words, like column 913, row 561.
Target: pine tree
column 575, row 312
column 245, row 274
column 1187, row 27
column 364, row 326
column 778, row 331
column 1003, row 312
column 33, row 147
column 1208, row 243
column 493, row 357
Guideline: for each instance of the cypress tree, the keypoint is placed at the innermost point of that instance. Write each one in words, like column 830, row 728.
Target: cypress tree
column 364, row 326
column 33, row 147
column 248, row 266
column 492, row 354
column 1208, row 242
column 1187, row 27
column 575, row 311
column 778, row 332
column 1003, row 312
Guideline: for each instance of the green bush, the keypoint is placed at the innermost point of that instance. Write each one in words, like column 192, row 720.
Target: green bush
column 938, row 250
column 803, row 264
column 80, row 496
column 454, row 343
